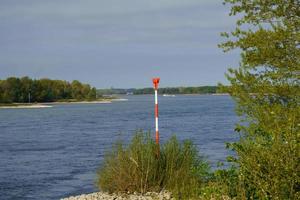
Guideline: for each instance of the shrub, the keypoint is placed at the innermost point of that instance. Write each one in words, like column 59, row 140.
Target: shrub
column 138, row 168
column 223, row 184
column 270, row 170
column 266, row 88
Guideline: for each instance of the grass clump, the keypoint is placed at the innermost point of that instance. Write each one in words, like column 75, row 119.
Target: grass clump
column 138, row 168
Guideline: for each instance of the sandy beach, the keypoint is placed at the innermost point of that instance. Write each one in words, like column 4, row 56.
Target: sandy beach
column 119, row 100
column 25, row 106
column 49, row 104
column 78, row 102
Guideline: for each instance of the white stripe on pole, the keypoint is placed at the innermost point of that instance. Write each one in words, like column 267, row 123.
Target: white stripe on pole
column 155, row 84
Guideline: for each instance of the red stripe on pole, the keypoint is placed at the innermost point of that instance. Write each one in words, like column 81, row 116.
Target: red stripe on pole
column 157, row 137
column 155, row 84
column 156, row 110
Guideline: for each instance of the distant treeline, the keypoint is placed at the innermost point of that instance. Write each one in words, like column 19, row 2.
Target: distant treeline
column 168, row 90
column 24, row 90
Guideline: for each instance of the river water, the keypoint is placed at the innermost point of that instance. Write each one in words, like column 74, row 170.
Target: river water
column 52, row 153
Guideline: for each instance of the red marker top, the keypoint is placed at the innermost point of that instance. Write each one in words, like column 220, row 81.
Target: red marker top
column 155, row 82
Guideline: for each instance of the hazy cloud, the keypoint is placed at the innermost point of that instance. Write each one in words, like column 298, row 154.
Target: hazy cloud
column 95, row 39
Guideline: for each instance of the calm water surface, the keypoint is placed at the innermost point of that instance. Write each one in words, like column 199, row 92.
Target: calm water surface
column 54, row 152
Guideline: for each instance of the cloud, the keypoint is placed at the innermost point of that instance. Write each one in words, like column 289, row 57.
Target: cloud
column 110, row 21
column 76, row 33
column 72, row 8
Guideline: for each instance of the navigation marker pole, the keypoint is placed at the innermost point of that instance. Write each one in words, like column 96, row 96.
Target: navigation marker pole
column 155, row 84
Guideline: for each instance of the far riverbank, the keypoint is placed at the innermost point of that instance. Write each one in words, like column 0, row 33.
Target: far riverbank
column 50, row 104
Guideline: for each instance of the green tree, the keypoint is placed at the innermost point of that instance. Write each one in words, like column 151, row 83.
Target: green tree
column 25, row 89
column 92, row 94
column 19, row 90
column 266, row 89
column 1, row 91
column 76, row 90
column 12, row 89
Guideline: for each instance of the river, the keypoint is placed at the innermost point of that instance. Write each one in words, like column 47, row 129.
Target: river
column 54, row 152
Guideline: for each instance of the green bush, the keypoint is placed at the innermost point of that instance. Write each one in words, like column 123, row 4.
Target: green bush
column 266, row 88
column 222, row 184
column 138, row 168
column 270, row 169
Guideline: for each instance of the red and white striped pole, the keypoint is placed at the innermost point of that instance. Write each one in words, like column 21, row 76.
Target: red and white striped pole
column 155, row 84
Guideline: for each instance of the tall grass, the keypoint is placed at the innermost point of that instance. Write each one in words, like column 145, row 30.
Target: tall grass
column 138, row 168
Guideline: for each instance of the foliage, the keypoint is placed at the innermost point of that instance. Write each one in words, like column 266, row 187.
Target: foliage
column 189, row 90
column 138, row 168
column 167, row 90
column 267, row 91
column 24, row 90
column 223, row 184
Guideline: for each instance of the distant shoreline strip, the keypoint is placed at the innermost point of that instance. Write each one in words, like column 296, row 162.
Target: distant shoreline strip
column 51, row 104
column 25, row 106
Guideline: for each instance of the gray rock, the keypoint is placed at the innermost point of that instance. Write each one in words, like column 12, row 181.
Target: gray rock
column 164, row 195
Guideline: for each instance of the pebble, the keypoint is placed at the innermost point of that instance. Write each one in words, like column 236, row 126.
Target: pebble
column 164, row 195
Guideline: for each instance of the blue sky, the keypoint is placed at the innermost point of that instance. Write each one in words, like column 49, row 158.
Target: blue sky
column 116, row 43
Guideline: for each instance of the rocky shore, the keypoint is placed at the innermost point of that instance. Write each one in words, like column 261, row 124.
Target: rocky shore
column 105, row 196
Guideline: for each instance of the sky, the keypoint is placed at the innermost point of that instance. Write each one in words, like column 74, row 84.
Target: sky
column 116, row 43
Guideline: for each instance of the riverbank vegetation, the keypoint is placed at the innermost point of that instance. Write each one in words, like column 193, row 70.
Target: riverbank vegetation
column 266, row 88
column 178, row 168
column 167, row 90
column 143, row 166
column 26, row 90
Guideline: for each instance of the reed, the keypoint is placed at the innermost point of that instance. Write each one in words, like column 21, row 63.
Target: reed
column 137, row 167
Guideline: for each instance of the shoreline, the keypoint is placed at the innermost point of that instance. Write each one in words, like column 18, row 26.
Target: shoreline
column 164, row 195
column 26, row 106
column 195, row 94
column 50, row 104
column 77, row 102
